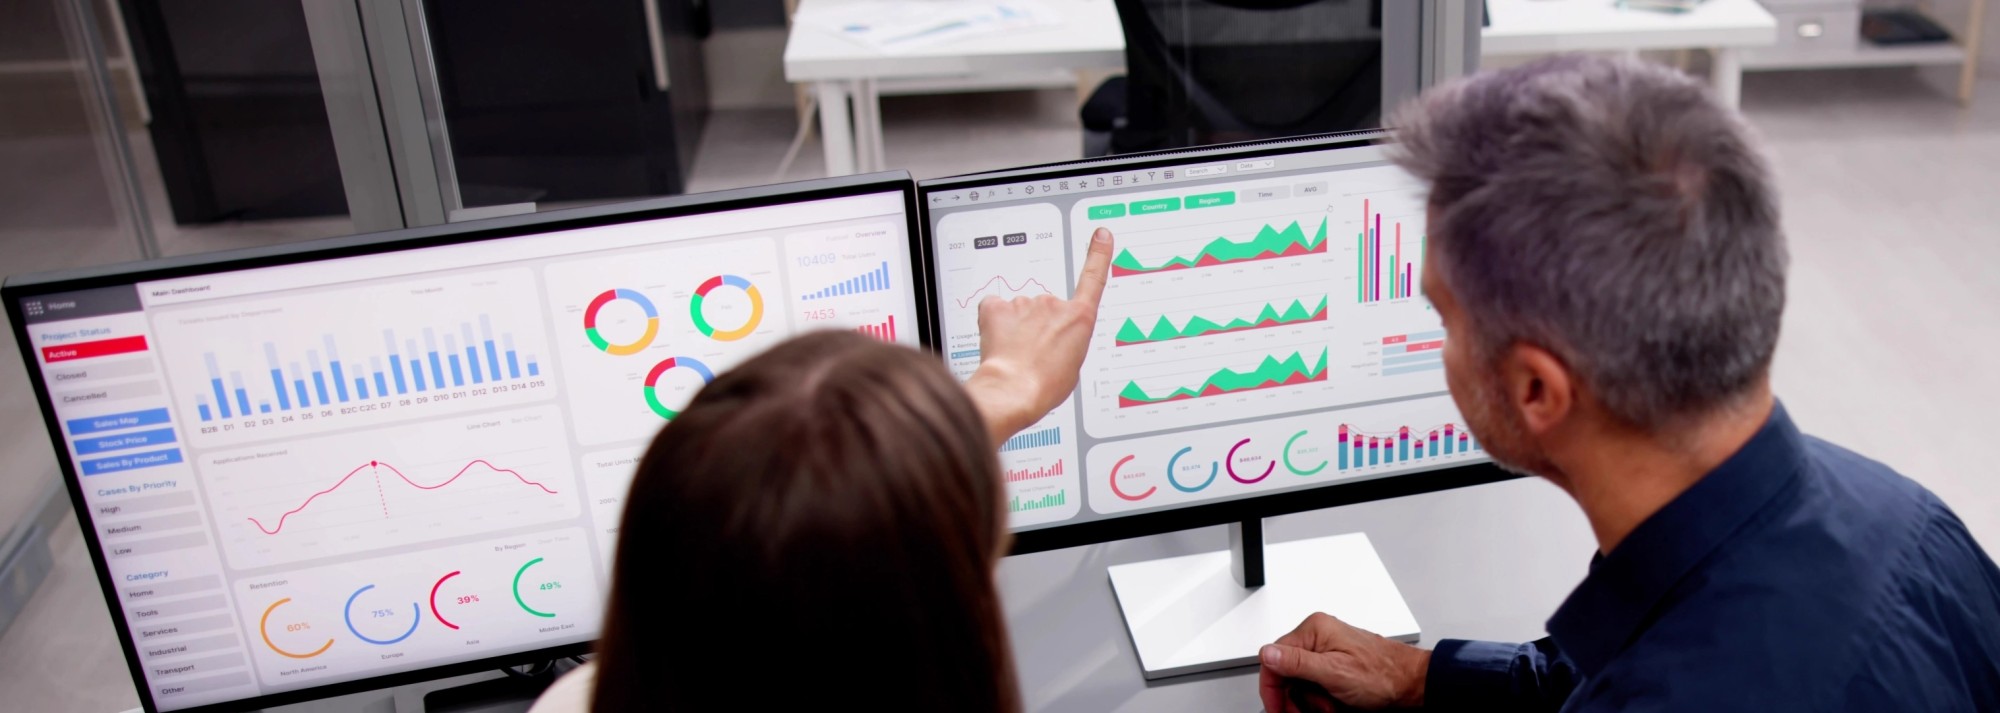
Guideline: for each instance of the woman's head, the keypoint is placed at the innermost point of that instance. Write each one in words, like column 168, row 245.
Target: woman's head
column 824, row 512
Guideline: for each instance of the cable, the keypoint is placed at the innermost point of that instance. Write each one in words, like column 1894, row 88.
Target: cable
column 798, row 140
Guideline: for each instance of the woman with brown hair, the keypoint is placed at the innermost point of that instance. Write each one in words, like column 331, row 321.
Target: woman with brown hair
column 820, row 526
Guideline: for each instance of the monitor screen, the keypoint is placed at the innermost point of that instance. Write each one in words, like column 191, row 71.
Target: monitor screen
column 1263, row 329
column 376, row 459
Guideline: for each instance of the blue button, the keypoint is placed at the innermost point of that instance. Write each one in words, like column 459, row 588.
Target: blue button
column 134, row 461
column 103, row 444
column 113, row 422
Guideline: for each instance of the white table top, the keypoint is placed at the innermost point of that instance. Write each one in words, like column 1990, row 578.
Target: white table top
column 1089, row 36
column 1548, row 26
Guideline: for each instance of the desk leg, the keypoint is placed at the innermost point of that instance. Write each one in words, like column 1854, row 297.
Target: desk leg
column 836, row 135
column 868, row 126
column 1969, row 70
column 1727, row 76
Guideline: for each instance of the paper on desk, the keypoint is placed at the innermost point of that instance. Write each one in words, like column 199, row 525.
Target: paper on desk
column 892, row 26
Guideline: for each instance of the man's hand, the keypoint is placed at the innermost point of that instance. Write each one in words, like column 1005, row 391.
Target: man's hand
column 1031, row 348
column 1325, row 658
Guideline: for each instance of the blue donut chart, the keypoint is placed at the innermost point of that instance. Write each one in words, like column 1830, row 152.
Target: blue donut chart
column 1171, row 462
column 347, row 614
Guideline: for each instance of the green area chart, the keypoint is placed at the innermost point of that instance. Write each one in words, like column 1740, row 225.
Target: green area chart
column 1269, row 316
column 1272, row 372
column 1269, row 244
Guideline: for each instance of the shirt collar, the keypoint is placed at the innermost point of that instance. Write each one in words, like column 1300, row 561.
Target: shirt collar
column 1616, row 600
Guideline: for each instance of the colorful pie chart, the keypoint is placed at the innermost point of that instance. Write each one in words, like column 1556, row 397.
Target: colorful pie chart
column 604, row 345
column 701, row 296
column 660, row 369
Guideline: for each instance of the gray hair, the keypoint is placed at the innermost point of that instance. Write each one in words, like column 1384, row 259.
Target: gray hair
column 1612, row 212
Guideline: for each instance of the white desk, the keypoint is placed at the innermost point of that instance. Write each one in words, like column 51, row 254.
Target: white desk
column 1089, row 37
column 1521, row 27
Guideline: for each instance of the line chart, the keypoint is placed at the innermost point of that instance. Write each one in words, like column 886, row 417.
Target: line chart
column 376, row 467
column 1005, row 284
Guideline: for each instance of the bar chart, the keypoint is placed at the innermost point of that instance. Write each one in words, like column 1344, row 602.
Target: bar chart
column 1413, row 352
column 876, row 280
column 1357, row 449
column 325, row 359
column 316, row 377
column 1386, row 268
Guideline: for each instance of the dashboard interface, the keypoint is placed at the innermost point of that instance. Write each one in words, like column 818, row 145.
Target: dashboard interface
column 327, row 471
column 1263, row 327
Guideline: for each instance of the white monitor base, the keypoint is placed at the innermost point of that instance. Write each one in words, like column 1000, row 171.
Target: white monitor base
column 1189, row 615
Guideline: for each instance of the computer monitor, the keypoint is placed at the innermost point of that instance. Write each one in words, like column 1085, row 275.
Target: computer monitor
column 1263, row 346
column 368, row 461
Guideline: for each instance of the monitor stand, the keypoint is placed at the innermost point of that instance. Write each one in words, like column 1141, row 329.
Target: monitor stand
column 1217, row 609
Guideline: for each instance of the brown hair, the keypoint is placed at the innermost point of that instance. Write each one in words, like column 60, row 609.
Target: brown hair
column 827, row 512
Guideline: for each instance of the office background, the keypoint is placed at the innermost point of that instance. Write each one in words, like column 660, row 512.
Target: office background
column 1889, row 184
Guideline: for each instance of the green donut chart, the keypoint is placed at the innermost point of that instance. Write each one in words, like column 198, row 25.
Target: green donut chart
column 517, row 590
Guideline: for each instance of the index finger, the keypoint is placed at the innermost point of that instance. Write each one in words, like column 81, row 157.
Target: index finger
column 1096, row 269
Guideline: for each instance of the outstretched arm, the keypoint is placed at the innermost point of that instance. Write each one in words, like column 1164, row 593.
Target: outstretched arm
column 1031, row 348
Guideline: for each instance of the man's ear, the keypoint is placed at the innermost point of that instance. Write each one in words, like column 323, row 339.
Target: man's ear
column 1538, row 386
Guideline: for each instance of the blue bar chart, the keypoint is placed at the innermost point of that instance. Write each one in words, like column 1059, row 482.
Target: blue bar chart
column 325, row 372
column 876, row 280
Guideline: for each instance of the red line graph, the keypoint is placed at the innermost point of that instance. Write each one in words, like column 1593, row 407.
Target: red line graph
column 974, row 297
column 375, row 468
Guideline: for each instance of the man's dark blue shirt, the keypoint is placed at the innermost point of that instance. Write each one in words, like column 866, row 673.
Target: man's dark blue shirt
column 1797, row 576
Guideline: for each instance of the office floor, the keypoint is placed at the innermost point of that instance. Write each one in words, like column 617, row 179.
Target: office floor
column 1889, row 205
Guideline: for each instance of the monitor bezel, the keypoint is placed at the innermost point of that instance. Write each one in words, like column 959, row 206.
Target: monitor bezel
column 1288, row 502
column 42, row 284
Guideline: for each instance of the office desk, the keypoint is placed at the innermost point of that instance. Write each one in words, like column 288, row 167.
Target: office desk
column 1486, row 562
column 843, row 71
column 1522, row 27
column 1089, row 37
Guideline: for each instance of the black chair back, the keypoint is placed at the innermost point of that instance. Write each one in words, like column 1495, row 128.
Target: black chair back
column 1216, row 71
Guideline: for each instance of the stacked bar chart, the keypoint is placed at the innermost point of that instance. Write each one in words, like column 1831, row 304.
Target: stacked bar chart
column 876, row 280
column 1359, row 449
column 1413, row 352
column 326, row 374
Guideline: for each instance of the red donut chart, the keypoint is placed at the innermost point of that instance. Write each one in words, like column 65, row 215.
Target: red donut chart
column 1120, row 493
column 434, row 600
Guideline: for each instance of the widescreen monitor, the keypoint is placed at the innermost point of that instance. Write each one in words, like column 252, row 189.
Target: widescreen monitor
column 1263, row 345
column 354, row 463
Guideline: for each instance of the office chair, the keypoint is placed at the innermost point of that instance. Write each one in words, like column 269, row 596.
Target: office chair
column 1216, row 71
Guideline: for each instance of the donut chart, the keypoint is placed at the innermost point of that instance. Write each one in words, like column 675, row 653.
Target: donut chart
column 660, row 369
column 1287, row 457
column 726, row 335
column 1120, row 493
column 263, row 630
column 416, row 617
column 1171, row 480
column 517, row 590
column 434, row 601
column 597, row 338
column 1229, row 463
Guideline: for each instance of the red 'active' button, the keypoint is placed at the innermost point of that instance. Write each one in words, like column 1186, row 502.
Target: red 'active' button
column 86, row 350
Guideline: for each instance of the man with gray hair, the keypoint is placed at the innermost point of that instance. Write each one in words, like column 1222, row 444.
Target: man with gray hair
column 1608, row 260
